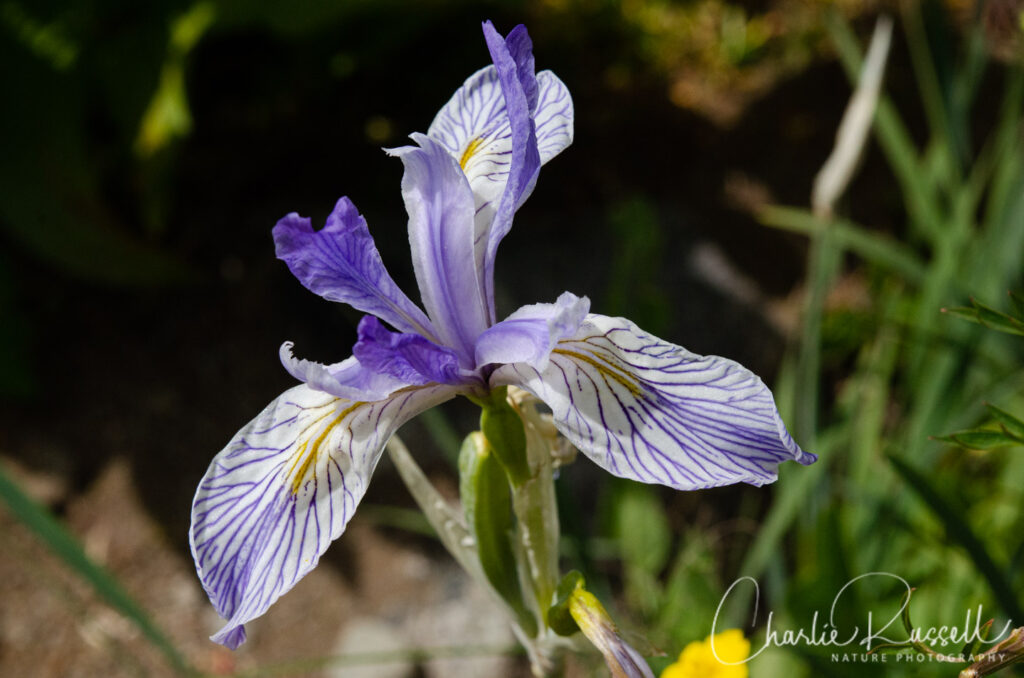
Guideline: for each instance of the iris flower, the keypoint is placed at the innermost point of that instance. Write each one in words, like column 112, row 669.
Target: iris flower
column 288, row 482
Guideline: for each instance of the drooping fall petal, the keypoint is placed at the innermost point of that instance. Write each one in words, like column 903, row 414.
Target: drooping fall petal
column 283, row 489
column 651, row 411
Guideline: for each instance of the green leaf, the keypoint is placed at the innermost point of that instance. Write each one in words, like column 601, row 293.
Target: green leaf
column 980, row 439
column 1012, row 424
column 67, row 548
column 988, row 317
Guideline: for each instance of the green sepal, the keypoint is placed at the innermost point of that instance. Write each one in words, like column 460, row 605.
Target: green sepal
column 503, row 429
column 559, row 618
column 487, row 503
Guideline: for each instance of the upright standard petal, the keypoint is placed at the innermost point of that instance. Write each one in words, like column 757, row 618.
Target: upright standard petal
column 553, row 117
column 440, row 205
column 513, row 61
column 647, row 410
column 475, row 127
column 529, row 334
column 283, row 489
column 340, row 262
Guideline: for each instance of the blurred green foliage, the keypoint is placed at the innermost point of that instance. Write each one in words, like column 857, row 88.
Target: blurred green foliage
column 98, row 105
column 885, row 497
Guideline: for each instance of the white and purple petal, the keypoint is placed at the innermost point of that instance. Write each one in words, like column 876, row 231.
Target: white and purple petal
column 283, row 489
column 474, row 128
column 651, row 411
column 409, row 358
column 340, row 262
column 347, row 379
column 513, row 62
column 553, row 117
column 440, row 206
column 529, row 334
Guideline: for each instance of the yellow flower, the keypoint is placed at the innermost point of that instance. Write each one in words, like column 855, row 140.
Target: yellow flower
column 698, row 660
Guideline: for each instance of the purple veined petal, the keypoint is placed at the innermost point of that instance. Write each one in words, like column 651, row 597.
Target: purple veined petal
column 340, row 262
column 554, row 116
column 520, row 48
column 513, row 62
column 440, row 206
column 529, row 334
column 283, row 489
column 408, row 358
column 651, row 411
column 347, row 379
column 474, row 128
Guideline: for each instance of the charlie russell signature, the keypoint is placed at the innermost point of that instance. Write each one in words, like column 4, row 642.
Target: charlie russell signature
column 828, row 635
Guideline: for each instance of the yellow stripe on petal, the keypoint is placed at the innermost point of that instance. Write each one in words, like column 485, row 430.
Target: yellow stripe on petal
column 471, row 148
column 607, row 370
column 309, row 455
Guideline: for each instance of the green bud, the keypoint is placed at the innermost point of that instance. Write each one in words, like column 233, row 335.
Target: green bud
column 487, row 502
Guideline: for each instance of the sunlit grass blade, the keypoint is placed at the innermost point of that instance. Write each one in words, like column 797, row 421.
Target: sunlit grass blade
column 961, row 533
column 48, row 530
column 877, row 249
column 896, row 142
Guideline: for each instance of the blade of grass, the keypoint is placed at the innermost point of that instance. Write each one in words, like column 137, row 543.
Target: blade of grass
column 920, row 197
column 791, row 500
column 928, row 84
column 825, row 258
column 67, row 548
column 877, row 249
column 443, row 434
